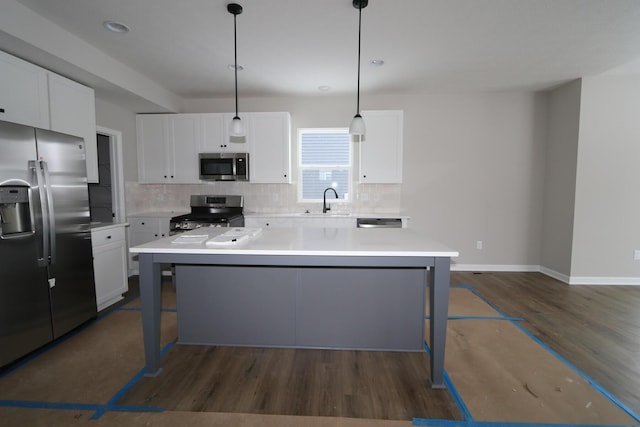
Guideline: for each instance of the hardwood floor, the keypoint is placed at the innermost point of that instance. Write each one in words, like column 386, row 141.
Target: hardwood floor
column 325, row 383
column 596, row 328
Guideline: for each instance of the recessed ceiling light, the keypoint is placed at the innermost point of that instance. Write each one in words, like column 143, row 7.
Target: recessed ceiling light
column 233, row 67
column 377, row 62
column 116, row 27
column 324, row 88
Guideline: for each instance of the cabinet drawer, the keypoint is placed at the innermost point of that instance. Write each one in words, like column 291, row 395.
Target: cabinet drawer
column 110, row 235
column 145, row 223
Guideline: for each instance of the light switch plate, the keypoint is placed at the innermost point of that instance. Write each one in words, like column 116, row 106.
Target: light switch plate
column 636, row 255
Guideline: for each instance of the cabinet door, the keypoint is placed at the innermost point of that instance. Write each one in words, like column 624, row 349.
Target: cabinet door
column 184, row 140
column 145, row 229
column 215, row 134
column 152, row 138
column 73, row 111
column 110, row 270
column 212, row 139
column 381, row 150
column 270, row 159
column 23, row 92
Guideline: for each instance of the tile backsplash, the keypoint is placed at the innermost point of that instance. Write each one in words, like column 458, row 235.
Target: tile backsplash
column 258, row 198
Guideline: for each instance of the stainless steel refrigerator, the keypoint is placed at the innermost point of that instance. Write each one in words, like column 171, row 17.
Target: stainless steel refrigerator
column 47, row 286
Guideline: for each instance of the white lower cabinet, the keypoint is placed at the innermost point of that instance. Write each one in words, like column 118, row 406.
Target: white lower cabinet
column 146, row 228
column 109, row 264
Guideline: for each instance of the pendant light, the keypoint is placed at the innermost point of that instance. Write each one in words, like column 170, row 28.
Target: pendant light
column 357, row 128
column 236, row 128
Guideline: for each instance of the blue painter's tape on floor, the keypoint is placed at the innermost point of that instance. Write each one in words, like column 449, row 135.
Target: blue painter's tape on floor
column 112, row 403
column 590, row 380
column 166, row 310
column 453, row 423
column 513, row 319
column 74, row 406
column 462, row 407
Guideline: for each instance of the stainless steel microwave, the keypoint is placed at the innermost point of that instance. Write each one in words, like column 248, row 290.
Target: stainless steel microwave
column 224, row 166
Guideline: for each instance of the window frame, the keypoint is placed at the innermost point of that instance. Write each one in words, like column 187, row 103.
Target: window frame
column 301, row 168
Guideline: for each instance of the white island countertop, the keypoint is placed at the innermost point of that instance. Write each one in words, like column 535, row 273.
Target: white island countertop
column 306, row 241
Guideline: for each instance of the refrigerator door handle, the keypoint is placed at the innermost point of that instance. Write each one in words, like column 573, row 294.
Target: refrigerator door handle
column 50, row 214
column 43, row 209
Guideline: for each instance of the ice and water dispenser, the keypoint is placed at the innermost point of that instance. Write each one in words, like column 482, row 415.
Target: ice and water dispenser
column 15, row 213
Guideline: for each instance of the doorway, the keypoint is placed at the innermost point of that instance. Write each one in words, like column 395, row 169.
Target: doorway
column 106, row 198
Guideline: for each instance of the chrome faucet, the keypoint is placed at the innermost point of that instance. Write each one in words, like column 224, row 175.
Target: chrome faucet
column 326, row 207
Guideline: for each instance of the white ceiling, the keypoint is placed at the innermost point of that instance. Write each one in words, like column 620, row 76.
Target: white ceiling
column 291, row 47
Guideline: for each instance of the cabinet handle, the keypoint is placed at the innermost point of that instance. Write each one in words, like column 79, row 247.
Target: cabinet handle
column 142, row 223
column 171, row 176
column 108, row 237
column 1, row 110
column 165, row 176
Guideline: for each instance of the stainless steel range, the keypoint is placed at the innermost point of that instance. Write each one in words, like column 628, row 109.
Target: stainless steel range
column 210, row 211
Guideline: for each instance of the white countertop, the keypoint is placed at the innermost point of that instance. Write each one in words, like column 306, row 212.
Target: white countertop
column 107, row 225
column 308, row 241
column 328, row 215
column 158, row 214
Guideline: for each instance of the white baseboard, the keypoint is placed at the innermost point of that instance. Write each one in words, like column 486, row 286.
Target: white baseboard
column 570, row 280
column 619, row 281
column 556, row 275
column 489, row 267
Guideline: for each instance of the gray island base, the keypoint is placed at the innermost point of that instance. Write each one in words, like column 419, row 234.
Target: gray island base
column 363, row 290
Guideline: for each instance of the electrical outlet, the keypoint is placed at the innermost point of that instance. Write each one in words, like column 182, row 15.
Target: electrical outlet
column 479, row 245
column 275, row 197
column 636, row 255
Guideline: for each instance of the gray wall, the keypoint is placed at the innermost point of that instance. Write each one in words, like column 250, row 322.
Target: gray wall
column 114, row 117
column 473, row 164
column 542, row 179
column 560, row 178
column 607, row 206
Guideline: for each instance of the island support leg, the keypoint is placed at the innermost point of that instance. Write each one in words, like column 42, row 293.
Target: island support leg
column 150, row 283
column 439, row 276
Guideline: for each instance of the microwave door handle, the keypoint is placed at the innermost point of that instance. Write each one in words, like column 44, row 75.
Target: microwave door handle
column 43, row 209
column 50, row 214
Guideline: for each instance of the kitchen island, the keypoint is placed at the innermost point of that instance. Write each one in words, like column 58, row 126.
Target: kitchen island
column 300, row 287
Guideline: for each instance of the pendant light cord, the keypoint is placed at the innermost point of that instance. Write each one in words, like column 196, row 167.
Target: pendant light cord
column 235, row 58
column 359, row 37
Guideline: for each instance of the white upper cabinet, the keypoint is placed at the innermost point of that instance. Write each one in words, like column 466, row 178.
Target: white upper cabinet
column 215, row 134
column 381, row 150
column 169, row 144
column 33, row 96
column 185, row 132
column 153, row 138
column 270, row 140
column 72, row 111
column 168, row 148
column 23, row 92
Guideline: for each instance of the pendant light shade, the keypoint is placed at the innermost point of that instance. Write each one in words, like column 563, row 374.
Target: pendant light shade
column 236, row 127
column 357, row 127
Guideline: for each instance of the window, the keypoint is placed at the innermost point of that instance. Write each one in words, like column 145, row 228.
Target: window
column 324, row 161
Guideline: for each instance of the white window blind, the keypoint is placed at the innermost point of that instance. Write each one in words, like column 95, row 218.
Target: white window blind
column 325, row 161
